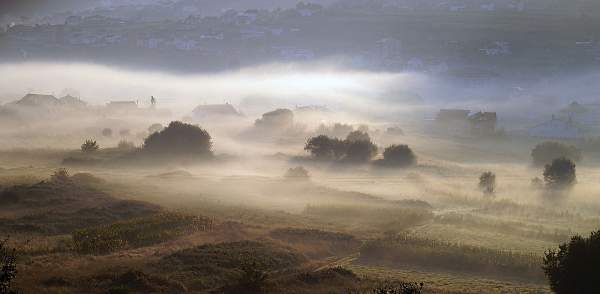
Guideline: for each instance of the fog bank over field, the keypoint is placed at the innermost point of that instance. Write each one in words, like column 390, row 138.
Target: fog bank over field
column 270, row 86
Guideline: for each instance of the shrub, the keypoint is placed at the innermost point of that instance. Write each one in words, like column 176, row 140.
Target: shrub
column 398, row 156
column 546, row 152
column 356, row 136
column 107, row 132
column 251, row 281
column 89, row 146
column 360, row 151
column 487, row 183
column 8, row 267
column 298, row 172
column 560, row 174
column 574, row 267
column 179, row 139
column 323, row 147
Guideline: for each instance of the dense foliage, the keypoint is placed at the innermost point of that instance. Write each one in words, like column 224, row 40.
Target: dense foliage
column 560, row 174
column 89, row 146
column 575, row 266
column 356, row 148
column 546, row 152
column 398, row 156
column 179, row 139
column 487, row 183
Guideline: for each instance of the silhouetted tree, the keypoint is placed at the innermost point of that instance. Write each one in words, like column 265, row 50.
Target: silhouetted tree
column 179, row 139
column 89, row 146
column 356, row 136
column 560, row 174
column 575, row 266
column 487, row 183
column 546, row 152
column 398, row 156
column 8, row 267
column 325, row 148
column 360, row 151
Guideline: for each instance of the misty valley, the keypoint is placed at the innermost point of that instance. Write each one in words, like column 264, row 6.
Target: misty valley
column 329, row 146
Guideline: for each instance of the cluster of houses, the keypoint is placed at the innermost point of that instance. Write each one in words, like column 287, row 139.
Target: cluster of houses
column 464, row 122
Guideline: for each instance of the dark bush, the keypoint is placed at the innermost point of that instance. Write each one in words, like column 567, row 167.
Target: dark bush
column 89, row 146
column 298, row 173
column 560, row 174
column 398, row 156
column 356, row 136
column 360, row 151
column 179, row 139
column 60, row 176
column 8, row 267
column 252, row 280
column 546, row 152
column 575, row 266
column 487, row 183
column 325, row 148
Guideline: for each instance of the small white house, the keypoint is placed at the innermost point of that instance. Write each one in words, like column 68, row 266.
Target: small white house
column 556, row 129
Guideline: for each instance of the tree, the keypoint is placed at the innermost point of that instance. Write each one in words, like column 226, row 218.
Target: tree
column 179, row 139
column 356, row 136
column 360, row 151
column 89, row 146
column 398, row 156
column 575, row 266
column 323, row 147
column 8, row 267
column 546, row 152
column 560, row 174
column 487, row 183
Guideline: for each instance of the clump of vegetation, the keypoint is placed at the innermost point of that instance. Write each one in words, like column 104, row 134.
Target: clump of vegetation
column 8, row 267
column 487, row 183
column 89, row 146
column 179, row 139
column 397, row 156
column 325, row 148
column 574, row 267
column 410, row 250
column 137, row 232
column 560, row 174
column 252, row 280
column 546, row 152
column 107, row 132
column 297, row 173
column 356, row 148
column 396, row 288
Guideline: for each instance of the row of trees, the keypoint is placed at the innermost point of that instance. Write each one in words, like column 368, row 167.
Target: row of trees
column 357, row 148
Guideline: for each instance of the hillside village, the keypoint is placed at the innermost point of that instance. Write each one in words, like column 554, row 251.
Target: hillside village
column 234, row 39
